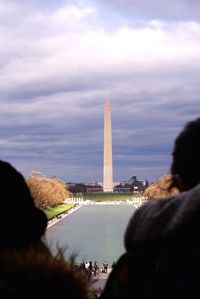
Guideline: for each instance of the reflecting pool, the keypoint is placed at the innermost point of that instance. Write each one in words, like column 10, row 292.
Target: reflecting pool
column 93, row 232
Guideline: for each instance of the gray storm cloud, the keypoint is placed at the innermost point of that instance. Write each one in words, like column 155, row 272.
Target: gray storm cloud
column 60, row 61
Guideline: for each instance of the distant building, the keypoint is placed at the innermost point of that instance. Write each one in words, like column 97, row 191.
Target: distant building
column 76, row 187
column 94, row 187
column 122, row 189
column 132, row 185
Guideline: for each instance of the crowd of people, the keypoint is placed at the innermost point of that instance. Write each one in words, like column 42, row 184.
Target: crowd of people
column 162, row 251
column 91, row 268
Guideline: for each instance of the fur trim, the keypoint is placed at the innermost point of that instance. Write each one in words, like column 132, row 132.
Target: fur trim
column 31, row 273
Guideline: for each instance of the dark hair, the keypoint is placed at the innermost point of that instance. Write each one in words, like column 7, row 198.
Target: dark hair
column 21, row 222
column 186, row 155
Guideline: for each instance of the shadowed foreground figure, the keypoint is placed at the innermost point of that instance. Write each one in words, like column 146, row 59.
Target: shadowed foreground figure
column 27, row 268
column 162, row 239
column 33, row 274
column 22, row 224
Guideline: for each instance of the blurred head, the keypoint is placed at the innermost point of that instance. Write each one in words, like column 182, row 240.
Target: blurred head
column 185, row 168
column 21, row 222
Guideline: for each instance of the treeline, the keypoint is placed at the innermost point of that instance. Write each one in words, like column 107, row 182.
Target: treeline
column 50, row 192
column 160, row 188
column 47, row 192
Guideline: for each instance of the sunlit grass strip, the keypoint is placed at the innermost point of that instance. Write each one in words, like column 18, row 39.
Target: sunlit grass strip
column 108, row 196
column 52, row 212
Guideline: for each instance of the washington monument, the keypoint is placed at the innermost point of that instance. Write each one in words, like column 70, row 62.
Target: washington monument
column 107, row 166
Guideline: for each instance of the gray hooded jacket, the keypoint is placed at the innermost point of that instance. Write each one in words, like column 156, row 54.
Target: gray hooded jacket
column 173, row 220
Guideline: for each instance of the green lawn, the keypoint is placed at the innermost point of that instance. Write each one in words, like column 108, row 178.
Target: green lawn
column 52, row 212
column 101, row 196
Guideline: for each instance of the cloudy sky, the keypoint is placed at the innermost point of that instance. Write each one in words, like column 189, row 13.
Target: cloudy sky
column 60, row 60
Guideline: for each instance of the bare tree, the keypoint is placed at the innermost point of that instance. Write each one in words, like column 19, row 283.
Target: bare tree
column 160, row 188
column 47, row 192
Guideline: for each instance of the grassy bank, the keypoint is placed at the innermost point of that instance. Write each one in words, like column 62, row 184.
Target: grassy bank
column 52, row 212
column 101, row 196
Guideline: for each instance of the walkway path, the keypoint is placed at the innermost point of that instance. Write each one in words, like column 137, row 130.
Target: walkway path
column 101, row 279
column 61, row 216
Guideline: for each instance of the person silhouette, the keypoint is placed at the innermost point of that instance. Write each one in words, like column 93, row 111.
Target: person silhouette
column 22, row 224
column 105, row 267
column 162, row 251
column 27, row 267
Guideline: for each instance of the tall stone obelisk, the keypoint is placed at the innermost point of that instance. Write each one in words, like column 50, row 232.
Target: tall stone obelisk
column 107, row 166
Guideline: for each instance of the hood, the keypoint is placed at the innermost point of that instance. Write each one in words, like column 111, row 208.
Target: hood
column 174, row 218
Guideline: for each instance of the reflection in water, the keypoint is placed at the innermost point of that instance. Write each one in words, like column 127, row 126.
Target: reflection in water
column 93, row 232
